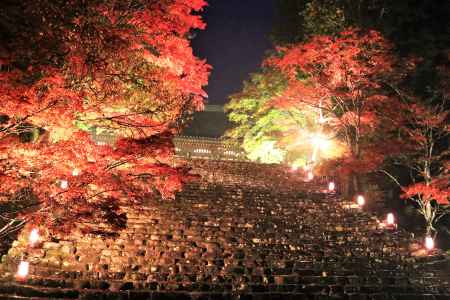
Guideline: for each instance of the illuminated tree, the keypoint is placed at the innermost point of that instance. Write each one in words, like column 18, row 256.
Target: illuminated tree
column 432, row 194
column 301, row 19
column 425, row 134
column 324, row 17
column 345, row 79
column 125, row 67
column 419, row 27
column 268, row 134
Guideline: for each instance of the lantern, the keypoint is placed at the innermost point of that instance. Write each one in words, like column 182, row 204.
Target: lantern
column 64, row 184
column 429, row 243
column 23, row 269
column 390, row 219
column 331, row 186
column 34, row 237
column 360, row 200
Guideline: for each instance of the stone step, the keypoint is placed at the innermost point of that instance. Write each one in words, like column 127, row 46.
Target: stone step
column 218, row 239
column 29, row 291
column 306, row 283
column 273, row 295
column 12, row 297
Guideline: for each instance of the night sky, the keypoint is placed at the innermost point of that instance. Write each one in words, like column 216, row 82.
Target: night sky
column 234, row 43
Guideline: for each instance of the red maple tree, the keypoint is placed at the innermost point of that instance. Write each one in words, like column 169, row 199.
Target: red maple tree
column 345, row 78
column 426, row 132
column 423, row 133
column 124, row 67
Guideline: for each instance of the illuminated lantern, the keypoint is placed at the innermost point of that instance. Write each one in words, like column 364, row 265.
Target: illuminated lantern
column 34, row 237
column 360, row 200
column 390, row 219
column 429, row 243
column 310, row 175
column 331, row 186
column 23, row 269
column 64, row 184
column 75, row 172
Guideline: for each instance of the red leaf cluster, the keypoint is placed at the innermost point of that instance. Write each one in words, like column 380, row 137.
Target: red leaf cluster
column 345, row 77
column 121, row 67
column 438, row 190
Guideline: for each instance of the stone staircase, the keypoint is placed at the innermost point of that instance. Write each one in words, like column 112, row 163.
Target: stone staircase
column 246, row 232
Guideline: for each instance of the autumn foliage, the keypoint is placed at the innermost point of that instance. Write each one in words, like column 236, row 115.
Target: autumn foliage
column 426, row 133
column 345, row 79
column 121, row 67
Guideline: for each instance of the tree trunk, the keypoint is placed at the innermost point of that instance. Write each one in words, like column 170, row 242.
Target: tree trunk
column 356, row 184
column 349, row 185
column 428, row 213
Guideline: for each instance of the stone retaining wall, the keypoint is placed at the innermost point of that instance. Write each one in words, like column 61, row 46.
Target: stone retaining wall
column 207, row 148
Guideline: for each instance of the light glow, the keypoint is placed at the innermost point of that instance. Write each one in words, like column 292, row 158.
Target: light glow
column 294, row 168
column 429, row 243
column 64, row 184
column 265, row 151
column 310, row 175
column 321, row 119
column 34, row 237
column 320, row 142
column 390, row 220
column 75, row 172
column 331, row 186
column 23, row 269
column 360, row 200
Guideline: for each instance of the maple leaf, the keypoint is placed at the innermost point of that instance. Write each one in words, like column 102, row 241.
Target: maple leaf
column 98, row 69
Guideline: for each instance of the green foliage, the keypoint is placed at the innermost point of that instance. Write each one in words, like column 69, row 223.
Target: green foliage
column 301, row 75
column 419, row 27
column 82, row 125
column 245, row 107
column 264, row 132
column 323, row 18
column 264, row 151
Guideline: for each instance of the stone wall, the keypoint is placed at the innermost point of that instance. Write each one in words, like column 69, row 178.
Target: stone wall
column 245, row 232
column 207, row 148
column 191, row 147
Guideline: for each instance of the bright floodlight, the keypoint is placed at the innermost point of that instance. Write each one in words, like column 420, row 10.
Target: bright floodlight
column 331, row 186
column 34, row 236
column 360, row 200
column 321, row 120
column 390, row 219
column 429, row 243
column 23, row 269
column 320, row 142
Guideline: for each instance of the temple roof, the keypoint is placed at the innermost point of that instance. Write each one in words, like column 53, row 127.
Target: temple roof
column 212, row 122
